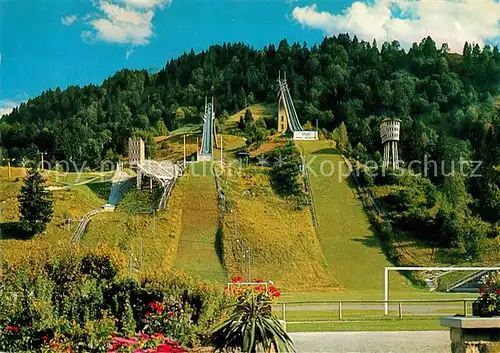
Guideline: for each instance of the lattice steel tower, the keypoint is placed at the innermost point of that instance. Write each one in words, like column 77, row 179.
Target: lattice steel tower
column 389, row 133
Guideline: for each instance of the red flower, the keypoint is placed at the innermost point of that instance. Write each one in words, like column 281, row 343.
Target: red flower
column 171, row 313
column 259, row 281
column 156, row 306
column 12, row 329
column 497, row 291
column 45, row 338
column 236, row 279
column 276, row 293
column 125, row 341
column 143, row 336
column 170, row 348
column 257, row 288
column 482, row 290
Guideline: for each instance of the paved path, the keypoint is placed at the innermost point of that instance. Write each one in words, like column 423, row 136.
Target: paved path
column 372, row 342
column 408, row 308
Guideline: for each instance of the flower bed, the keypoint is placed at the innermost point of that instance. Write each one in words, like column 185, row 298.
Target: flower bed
column 79, row 302
column 488, row 303
column 144, row 343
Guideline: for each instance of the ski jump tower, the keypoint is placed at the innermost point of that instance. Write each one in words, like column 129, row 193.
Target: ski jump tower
column 209, row 134
column 287, row 116
column 389, row 133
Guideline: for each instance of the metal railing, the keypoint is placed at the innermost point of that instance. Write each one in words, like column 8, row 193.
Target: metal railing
column 469, row 278
column 83, row 225
column 338, row 307
column 307, row 186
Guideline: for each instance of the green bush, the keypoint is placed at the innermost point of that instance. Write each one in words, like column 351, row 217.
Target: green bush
column 79, row 299
column 365, row 177
column 285, row 171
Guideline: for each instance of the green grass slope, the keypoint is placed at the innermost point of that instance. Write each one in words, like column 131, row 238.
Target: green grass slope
column 351, row 250
column 199, row 247
column 258, row 111
column 133, row 222
column 71, row 203
column 284, row 246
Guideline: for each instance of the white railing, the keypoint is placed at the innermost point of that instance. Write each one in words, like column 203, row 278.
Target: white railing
column 82, row 225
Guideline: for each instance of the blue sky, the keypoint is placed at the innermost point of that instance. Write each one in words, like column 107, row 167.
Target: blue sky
column 50, row 43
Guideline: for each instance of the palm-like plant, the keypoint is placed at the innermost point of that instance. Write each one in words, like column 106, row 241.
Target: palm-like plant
column 252, row 327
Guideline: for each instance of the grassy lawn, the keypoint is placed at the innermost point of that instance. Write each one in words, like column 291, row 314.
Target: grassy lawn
column 370, row 294
column 199, row 251
column 128, row 226
column 63, row 179
column 258, row 111
column 187, row 129
column 386, row 324
column 272, row 143
column 284, row 247
column 350, row 248
column 72, row 203
column 357, row 317
column 172, row 147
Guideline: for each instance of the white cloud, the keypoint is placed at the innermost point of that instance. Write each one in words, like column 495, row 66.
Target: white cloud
column 123, row 22
column 68, row 20
column 446, row 21
column 6, row 107
column 128, row 53
column 86, row 36
column 147, row 4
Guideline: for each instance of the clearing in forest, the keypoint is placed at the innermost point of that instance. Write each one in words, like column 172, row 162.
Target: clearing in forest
column 351, row 250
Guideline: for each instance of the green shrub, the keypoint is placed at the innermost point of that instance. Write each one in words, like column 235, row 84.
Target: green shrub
column 78, row 299
column 365, row 177
column 285, row 171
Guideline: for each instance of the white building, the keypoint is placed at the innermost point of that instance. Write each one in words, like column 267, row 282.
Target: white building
column 389, row 133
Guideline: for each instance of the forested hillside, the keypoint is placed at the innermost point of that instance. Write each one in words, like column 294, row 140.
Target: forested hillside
column 448, row 104
column 342, row 79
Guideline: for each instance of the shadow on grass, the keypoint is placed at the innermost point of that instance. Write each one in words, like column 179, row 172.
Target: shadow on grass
column 352, row 182
column 218, row 246
column 14, row 230
column 370, row 241
column 190, row 138
column 330, row 150
column 375, row 242
column 101, row 189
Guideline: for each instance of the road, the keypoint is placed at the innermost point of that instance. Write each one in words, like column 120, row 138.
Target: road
column 408, row 308
column 372, row 342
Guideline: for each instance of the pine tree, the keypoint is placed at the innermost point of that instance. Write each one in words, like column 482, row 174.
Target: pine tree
column 248, row 116
column 343, row 138
column 35, row 204
column 161, row 128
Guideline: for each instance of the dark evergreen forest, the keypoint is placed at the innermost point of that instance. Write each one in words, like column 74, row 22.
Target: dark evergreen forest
column 437, row 94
